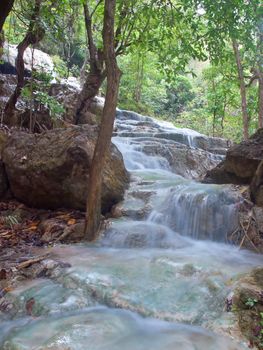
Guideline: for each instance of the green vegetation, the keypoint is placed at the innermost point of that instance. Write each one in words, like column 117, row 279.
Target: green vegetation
column 184, row 70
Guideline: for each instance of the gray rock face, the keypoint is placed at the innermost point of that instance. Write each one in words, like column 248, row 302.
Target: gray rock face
column 51, row 170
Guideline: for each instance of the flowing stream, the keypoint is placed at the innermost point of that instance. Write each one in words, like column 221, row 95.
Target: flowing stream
column 158, row 277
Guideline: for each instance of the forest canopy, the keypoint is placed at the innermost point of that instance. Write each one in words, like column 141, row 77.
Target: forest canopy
column 197, row 63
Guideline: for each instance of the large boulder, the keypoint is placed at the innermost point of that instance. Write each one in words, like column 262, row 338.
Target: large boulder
column 241, row 162
column 51, row 170
column 41, row 61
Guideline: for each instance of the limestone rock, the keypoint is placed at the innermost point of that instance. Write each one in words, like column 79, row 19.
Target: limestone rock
column 42, row 61
column 50, row 170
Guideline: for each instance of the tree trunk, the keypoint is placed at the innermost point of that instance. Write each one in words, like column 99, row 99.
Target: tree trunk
column 214, row 107
column 260, row 73
column 106, row 127
column 6, row 7
column 139, row 79
column 223, row 118
column 242, row 86
column 90, row 89
column 34, row 34
column 260, row 100
column 96, row 73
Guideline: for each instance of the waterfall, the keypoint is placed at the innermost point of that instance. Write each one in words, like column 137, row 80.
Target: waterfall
column 159, row 276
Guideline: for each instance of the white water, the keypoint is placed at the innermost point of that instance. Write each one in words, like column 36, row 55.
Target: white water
column 159, row 282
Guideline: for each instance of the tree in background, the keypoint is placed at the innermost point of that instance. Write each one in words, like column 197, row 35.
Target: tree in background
column 138, row 30
column 235, row 22
column 33, row 36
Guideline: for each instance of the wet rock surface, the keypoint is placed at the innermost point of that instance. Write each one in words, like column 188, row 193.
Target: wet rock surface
column 133, row 124
column 183, row 151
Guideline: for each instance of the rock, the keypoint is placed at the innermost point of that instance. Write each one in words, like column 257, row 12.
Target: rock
column 219, row 175
column 74, row 233
column 51, row 230
column 97, row 106
column 241, row 162
column 256, row 186
column 66, row 92
column 42, row 61
column 50, row 170
column 7, row 87
column 3, row 180
column 3, row 177
column 22, row 113
column 248, row 303
column 258, row 214
column 189, row 162
column 131, row 124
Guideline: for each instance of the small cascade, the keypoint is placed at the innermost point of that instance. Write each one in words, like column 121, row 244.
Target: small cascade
column 192, row 209
column 198, row 211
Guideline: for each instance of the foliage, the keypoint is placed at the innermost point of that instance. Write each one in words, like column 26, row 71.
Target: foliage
column 251, row 302
column 9, row 220
column 257, row 332
column 36, row 94
column 60, row 66
column 157, row 78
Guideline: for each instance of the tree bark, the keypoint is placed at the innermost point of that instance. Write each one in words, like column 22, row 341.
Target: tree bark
column 139, row 79
column 90, row 89
column 260, row 100
column 106, row 127
column 34, row 34
column 260, row 72
column 242, row 86
column 5, row 8
column 96, row 74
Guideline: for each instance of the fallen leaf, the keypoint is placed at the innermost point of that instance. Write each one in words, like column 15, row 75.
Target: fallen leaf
column 71, row 222
column 32, row 228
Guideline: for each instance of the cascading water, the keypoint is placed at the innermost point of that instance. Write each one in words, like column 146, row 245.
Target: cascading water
column 157, row 278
